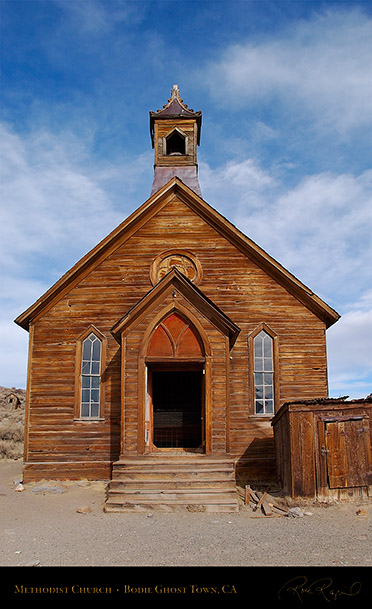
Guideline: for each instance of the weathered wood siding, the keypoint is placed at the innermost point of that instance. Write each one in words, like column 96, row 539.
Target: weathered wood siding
column 242, row 290
column 323, row 448
column 163, row 129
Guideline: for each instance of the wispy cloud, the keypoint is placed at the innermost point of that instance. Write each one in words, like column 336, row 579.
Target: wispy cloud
column 319, row 68
column 320, row 229
column 54, row 201
column 350, row 351
column 55, row 206
column 100, row 17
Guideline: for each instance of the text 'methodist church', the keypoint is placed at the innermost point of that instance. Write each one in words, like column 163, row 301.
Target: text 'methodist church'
column 170, row 347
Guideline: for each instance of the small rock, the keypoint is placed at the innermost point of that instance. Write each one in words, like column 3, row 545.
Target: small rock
column 84, row 510
column 308, row 513
column 361, row 512
column 149, row 515
column 19, row 487
column 48, row 489
column 36, row 563
column 295, row 512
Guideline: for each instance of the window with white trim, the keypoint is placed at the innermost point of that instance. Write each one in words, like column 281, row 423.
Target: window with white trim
column 90, row 377
column 263, row 345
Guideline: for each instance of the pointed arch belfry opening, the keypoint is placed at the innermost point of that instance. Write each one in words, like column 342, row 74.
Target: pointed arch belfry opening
column 175, row 394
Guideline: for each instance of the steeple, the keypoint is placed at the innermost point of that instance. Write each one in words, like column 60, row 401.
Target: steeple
column 175, row 135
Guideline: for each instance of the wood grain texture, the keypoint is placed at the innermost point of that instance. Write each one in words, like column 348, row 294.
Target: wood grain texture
column 323, row 448
column 103, row 292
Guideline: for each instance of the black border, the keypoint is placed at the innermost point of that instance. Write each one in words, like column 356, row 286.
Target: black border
column 281, row 586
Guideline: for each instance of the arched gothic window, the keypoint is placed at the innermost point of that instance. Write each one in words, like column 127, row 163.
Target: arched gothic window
column 90, row 377
column 263, row 345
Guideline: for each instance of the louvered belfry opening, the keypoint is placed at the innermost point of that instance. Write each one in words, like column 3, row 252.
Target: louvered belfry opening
column 175, row 364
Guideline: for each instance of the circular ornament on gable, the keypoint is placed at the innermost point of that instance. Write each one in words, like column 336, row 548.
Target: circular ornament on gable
column 185, row 262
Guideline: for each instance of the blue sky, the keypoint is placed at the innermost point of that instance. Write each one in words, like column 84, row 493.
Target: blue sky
column 285, row 88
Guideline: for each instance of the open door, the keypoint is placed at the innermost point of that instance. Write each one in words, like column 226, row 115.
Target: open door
column 175, row 405
column 177, row 418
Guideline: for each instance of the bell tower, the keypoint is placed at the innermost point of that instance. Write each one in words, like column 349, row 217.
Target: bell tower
column 175, row 135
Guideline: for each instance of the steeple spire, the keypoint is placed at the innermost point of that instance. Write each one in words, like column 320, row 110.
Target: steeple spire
column 175, row 135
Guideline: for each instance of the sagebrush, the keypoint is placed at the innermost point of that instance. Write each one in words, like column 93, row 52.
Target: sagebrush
column 11, row 432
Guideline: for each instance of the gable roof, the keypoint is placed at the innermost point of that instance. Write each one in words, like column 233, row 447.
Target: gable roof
column 175, row 187
column 175, row 280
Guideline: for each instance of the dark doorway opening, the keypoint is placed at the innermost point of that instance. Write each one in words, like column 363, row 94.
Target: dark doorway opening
column 177, row 408
column 176, row 144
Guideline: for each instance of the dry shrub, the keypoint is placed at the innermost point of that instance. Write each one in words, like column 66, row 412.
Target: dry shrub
column 11, row 432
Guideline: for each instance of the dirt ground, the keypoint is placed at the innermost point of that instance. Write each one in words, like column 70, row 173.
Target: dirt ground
column 63, row 524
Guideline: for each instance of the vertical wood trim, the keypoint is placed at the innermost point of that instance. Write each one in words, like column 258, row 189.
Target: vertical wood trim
column 227, row 381
column 122, row 396
column 326, row 361
column 141, row 405
column 149, row 420
column 78, row 359
column 156, row 143
column 28, row 393
column 208, row 405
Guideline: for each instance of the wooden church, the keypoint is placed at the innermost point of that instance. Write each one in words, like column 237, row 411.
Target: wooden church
column 160, row 359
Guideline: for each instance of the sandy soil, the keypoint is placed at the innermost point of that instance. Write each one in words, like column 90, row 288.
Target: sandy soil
column 47, row 528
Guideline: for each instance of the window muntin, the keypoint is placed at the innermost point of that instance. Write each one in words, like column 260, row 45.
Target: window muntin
column 263, row 373
column 90, row 377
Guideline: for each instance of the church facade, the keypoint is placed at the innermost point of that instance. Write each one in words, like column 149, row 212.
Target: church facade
column 176, row 339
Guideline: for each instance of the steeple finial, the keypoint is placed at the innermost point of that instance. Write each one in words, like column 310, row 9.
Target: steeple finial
column 175, row 135
column 175, row 91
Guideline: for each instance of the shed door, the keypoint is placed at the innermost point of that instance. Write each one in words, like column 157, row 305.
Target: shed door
column 348, row 453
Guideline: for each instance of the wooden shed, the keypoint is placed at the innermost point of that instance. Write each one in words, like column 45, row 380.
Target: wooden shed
column 323, row 448
column 160, row 358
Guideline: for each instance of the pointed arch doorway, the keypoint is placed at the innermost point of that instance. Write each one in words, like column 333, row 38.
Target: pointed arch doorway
column 175, row 410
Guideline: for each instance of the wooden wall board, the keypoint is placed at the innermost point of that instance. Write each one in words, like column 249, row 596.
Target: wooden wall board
column 234, row 282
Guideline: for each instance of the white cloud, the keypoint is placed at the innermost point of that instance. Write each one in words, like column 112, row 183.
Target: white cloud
column 350, row 352
column 13, row 358
column 320, row 68
column 55, row 207
column 319, row 229
column 54, row 202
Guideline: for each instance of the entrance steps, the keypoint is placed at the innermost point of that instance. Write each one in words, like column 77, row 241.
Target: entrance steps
column 196, row 483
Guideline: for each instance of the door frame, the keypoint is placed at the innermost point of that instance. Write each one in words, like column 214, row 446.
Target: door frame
column 166, row 366
column 144, row 402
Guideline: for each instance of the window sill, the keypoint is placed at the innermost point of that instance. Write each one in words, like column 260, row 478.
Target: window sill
column 264, row 417
column 88, row 419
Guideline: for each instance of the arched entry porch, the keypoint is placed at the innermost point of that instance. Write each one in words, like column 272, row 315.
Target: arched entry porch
column 175, row 346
